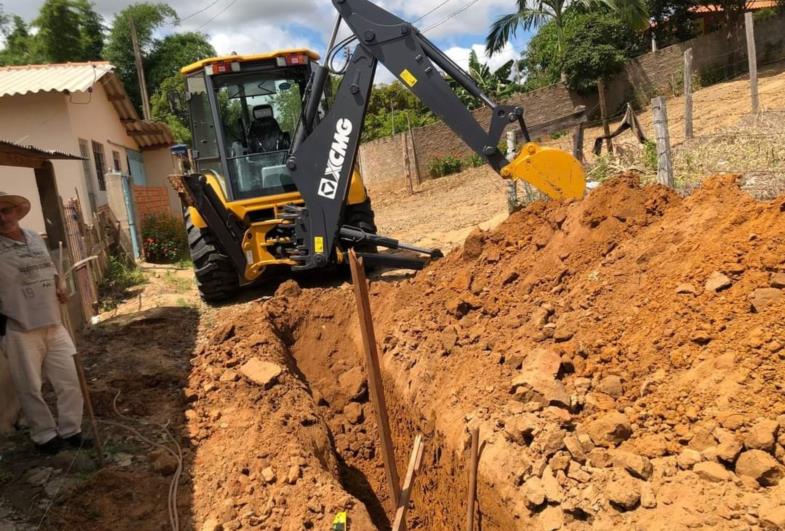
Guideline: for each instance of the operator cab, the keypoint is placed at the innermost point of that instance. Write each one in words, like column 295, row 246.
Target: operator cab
column 257, row 103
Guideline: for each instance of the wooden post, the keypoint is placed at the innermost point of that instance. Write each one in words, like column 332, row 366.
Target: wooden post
column 80, row 374
column 604, row 114
column 473, row 479
column 512, row 184
column 406, row 164
column 664, row 162
column 688, row 133
column 577, row 142
column 139, row 70
column 415, row 460
column 749, row 25
column 414, row 150
column 374, row 373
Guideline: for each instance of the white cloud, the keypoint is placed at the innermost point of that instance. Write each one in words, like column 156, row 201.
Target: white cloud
column 461, row 55
column 275, row 38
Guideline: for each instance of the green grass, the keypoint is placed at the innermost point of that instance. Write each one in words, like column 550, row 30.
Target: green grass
column 178, row 284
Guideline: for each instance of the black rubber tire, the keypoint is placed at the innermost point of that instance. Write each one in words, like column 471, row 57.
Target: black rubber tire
column 216, row 277
column 362, row 217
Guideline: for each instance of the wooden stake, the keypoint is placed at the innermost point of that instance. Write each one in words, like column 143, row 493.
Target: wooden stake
column 664, row 162
column 474, row 456
column 406, row 164
column 411, row 473
column 88, row 401
column 688, row 133
column 373, row 367
column 604, row 114
column 414, row 151
column 749, row 25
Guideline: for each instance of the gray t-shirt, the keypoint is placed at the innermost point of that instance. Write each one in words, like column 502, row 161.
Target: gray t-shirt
column 28, row 295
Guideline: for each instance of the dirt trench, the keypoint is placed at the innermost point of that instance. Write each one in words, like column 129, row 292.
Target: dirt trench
column 325, row 348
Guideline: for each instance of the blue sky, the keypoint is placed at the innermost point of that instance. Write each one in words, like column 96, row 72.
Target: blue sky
column 246, row 26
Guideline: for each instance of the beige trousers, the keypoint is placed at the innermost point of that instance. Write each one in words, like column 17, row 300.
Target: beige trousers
column 35, row 354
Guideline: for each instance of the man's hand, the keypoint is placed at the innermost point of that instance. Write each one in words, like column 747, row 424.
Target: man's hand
column 62, row 295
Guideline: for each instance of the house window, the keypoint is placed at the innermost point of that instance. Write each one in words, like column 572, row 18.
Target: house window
column 100, row 165
column 87, row 170
column 116, row 161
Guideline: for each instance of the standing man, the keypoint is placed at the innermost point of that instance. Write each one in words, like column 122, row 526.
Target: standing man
column 36, row 343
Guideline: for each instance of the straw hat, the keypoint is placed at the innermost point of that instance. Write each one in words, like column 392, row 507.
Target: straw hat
column 17, row 201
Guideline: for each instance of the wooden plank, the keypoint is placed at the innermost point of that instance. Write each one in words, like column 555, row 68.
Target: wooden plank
column 664, row 161
column 749, row 25
column 688, row 132
column 473, row 462
column 604, row 114
column 415, row 460
column 373, row 367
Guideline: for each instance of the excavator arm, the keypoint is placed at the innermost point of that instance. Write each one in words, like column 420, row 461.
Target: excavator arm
column 324, row 154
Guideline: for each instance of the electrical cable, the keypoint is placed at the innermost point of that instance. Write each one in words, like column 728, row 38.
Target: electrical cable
column 200, row 11
column 431, row 11
column 221, row 12
column 452, row 15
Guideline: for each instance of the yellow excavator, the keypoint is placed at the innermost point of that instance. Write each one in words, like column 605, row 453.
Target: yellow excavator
column 271, row 179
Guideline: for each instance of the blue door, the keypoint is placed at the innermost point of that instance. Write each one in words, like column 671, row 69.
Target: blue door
column 136, row 167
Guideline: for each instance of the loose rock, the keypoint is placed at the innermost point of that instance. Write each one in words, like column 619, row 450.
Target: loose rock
column 533, row 493
column 717, row 282
column 762, row 435
column 711, row 471
column 762, row 298
column 637, row 465
column 609, row 429
column 760, row 466
column 262, row 373
column 623, row 493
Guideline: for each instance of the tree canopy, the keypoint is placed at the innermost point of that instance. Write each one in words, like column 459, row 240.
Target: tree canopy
column 590, row 45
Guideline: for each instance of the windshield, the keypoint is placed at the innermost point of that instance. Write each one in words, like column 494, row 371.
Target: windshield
column 259, row 113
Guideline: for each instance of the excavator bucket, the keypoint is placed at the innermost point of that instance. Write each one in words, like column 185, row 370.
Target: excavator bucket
column 554, row 172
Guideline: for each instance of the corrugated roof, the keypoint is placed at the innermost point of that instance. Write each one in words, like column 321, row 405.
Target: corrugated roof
column 65, row 77
column 79, row 77
column 32, row 151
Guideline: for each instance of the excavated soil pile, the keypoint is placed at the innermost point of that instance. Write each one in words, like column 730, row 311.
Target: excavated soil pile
column 622, row 357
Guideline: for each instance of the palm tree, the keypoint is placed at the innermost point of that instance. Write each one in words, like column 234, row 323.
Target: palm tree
column 535, row 13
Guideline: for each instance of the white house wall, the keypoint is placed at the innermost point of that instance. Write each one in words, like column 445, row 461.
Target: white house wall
column 93, row 118
column 40, row 120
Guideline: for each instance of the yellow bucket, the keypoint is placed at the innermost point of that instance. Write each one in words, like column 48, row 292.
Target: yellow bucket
column 554, row 172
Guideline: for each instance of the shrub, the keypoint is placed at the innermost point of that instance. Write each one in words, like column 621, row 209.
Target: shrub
column 120, row 275
column 439, row 167
column 650, row 156
column 475, row 161
column 163, row 239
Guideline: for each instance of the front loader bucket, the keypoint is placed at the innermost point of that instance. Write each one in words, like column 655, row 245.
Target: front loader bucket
column 554, row 172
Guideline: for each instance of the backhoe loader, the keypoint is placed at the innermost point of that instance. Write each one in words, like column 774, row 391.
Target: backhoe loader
column 273, row 179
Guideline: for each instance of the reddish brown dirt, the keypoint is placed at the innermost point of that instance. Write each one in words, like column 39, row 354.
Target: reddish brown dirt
column 607, row 271
column 565, row 319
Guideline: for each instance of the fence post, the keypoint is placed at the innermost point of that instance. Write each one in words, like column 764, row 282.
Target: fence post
column 512, row 184
column 577, row 142
column 414, row 150
column 604, row 114
column 406, row 164
column 749, row 25
column 664, row 162
column 688, row 132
